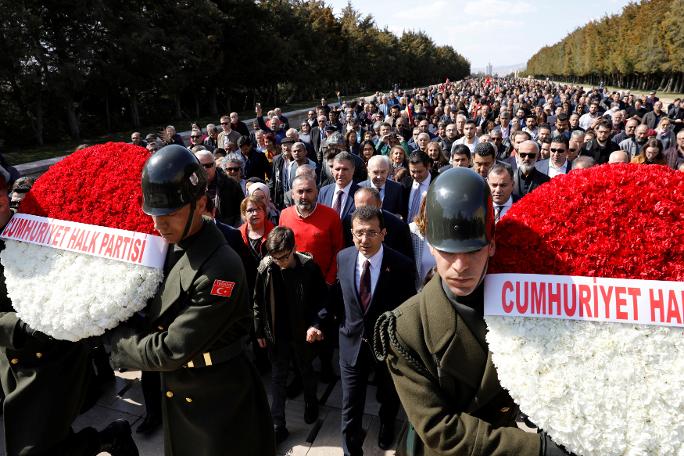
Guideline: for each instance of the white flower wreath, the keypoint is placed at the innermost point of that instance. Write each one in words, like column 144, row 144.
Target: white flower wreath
column 597, row 388
column 71, row 296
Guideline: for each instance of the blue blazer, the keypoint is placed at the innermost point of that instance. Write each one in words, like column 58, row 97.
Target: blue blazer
column 394, row 197
column 543, row 166
column 327, row 192
column 395, row 285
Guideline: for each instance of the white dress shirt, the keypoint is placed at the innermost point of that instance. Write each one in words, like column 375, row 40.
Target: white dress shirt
column 344, row 196
column 553, row 171
column 375, row 264
column 471, row 146
column 381, row 190
column 504, row 207
column 421, row 187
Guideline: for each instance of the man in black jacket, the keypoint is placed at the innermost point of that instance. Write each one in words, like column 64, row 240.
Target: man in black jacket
column 527, row 177
column 286, row 320
column 226, row 192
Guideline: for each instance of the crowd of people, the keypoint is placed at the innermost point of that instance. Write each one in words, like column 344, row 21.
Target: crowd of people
column 331, row 220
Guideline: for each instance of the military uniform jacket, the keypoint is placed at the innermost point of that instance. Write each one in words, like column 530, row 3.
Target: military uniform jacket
column 211, row 406
column 456, row 403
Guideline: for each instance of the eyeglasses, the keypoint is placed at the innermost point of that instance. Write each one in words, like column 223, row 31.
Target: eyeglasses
column 557, row 151
column 369, row 234
column 208, row 165
column 525, row 155
column 282, row 257
column 232, row 169
column 253, row 210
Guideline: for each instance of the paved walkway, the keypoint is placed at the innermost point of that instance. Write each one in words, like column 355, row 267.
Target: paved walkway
column 323, row 438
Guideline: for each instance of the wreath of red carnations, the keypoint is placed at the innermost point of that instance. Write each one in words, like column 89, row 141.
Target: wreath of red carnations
column 79, row 285
column 596, row 387
column 620, row 221
column 98, row 185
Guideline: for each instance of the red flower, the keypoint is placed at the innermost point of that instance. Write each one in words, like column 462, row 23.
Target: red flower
column 619, row 221
column 99, row 185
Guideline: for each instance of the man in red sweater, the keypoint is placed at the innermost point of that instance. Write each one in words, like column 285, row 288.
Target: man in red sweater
column 317, row 228
column 318, row 231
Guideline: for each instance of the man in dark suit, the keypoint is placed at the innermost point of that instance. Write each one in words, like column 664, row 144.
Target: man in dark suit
column 340, row 194
column 526, row 176
column 238, row 125
column 398, row 235
column 391, row 193
column 500, row 181
column 417, row 182
column 372, row 279
column 601, row 147
column 280, row 182
column 318, row 136
column 558, row 162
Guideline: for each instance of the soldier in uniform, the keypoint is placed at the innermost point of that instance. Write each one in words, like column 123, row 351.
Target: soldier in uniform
column 213, row 401
column 434, row 343
column 46, row 382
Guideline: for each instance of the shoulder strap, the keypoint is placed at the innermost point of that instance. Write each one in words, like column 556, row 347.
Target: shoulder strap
column 385, row 336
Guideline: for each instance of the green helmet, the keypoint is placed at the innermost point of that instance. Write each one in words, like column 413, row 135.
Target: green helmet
column 459, row 212
column 171, row 178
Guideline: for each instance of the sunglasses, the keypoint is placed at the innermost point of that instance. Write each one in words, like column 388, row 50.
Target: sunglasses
column 225, row 123
column 195, row 137
column 558, row 151
column 208, row 165
column 526, row 155
column 233, row 169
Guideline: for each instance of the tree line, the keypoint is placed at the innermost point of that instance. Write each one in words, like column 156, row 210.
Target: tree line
column 77, row 68
column 641, row 48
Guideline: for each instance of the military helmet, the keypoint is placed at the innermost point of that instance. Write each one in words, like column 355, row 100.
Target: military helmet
column 459, row 212
column 171, row 178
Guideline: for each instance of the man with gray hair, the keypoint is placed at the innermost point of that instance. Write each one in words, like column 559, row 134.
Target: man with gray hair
column 391, row 193
column 234, row 165
column 303, row 170
column 618, row 156
column 632, row 145
column 224, row 191
column 583, row 162
column 210, row 142
column 527, row 177
column 238, row 125
column 293, row 134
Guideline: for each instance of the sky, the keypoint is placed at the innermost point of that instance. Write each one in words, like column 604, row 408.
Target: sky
column 497, row 31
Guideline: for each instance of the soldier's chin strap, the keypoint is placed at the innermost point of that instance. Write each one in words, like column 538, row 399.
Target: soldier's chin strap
column 484, row 272
column 188, row 224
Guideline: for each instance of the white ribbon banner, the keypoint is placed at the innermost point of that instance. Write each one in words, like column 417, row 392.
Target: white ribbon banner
column 115, row 244
column 647, row 302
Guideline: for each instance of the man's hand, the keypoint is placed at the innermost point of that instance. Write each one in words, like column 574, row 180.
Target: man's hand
column 257, row 109
column 313, row 335
column 261, row 342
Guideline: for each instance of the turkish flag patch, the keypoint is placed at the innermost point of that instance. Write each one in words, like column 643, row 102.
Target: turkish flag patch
column 222, row 288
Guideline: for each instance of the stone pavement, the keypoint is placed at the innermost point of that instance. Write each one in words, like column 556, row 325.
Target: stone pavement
column 123, row 399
